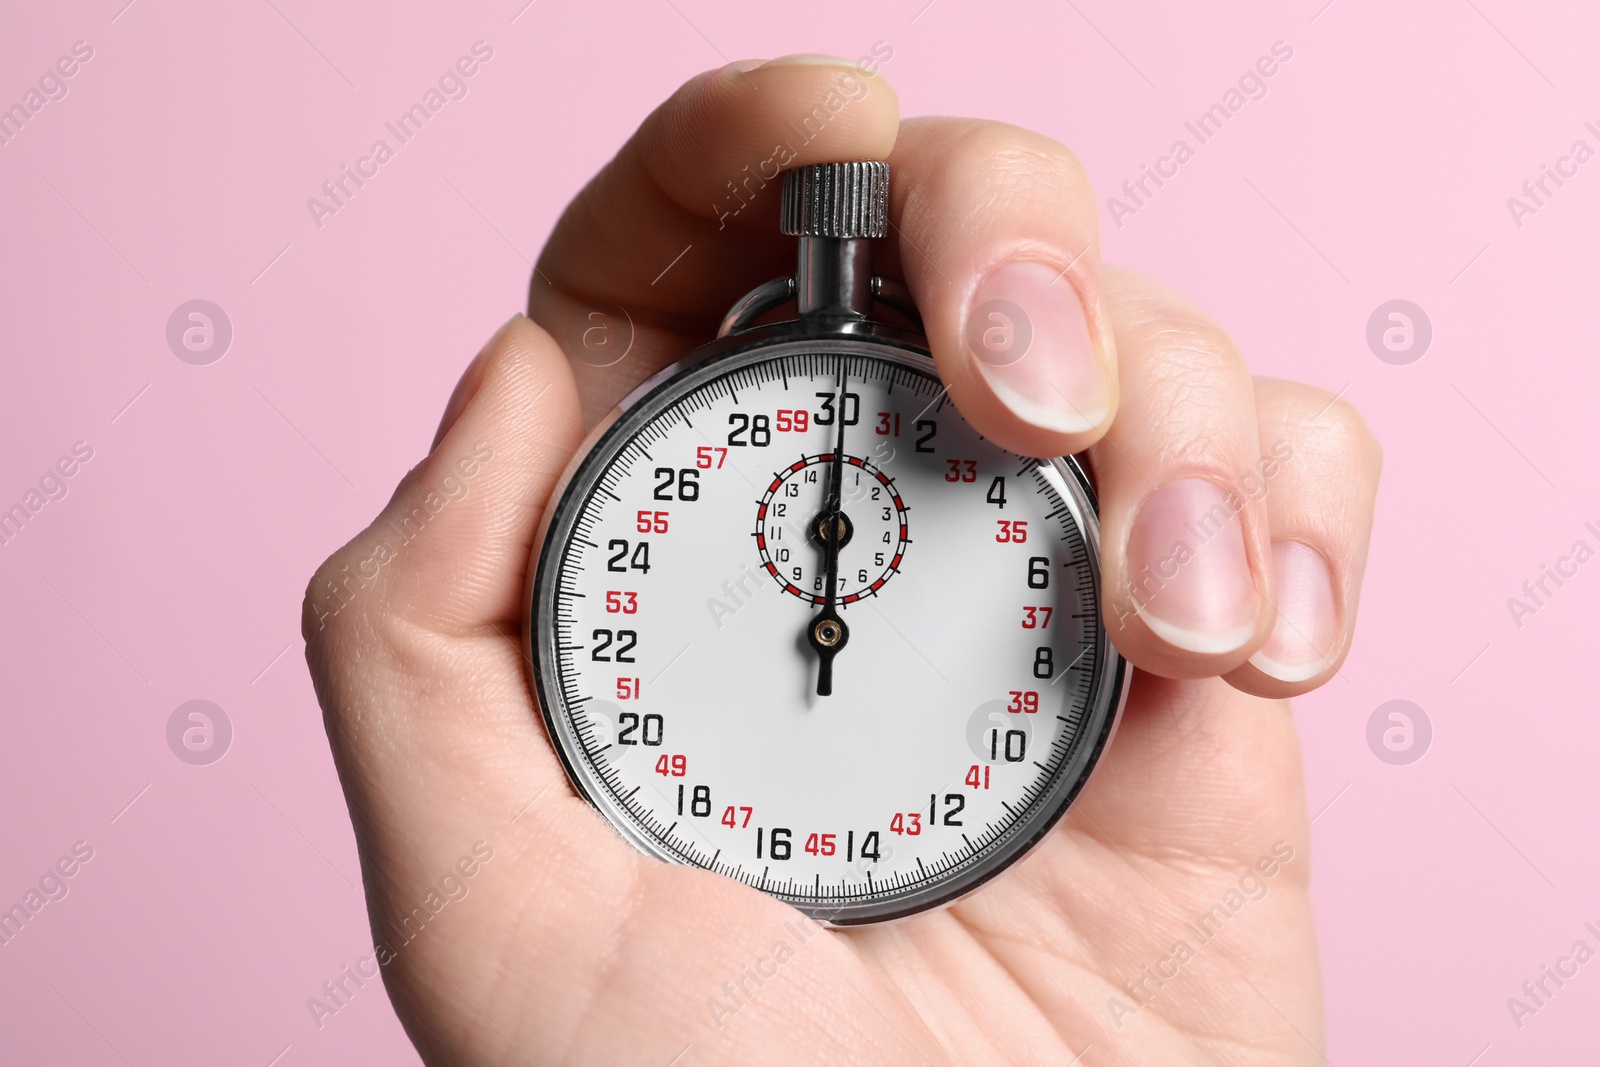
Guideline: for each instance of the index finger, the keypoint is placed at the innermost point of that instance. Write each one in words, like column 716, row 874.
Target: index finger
column 681, row 223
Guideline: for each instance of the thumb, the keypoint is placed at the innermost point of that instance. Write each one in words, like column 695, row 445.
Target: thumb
column 412, row 629
column 449, row 551
column 412, row 638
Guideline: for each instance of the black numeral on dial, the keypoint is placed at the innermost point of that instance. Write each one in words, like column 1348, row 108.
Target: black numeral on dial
column 626, row 640
column 621, row 558
column 650, row 728
column 759, row 427
column 686, row 480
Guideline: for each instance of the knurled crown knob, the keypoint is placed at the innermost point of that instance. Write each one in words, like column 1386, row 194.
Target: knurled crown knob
column 836, row 200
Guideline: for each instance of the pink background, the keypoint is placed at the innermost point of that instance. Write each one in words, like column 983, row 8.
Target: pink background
column 1376, row 168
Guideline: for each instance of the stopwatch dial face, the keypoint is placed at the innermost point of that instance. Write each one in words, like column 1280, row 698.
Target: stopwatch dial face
column 686, row 563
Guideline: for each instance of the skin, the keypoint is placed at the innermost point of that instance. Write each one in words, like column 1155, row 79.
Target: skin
column 569, row 947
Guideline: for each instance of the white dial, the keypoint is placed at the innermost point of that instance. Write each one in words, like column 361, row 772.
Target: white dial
column 688, row 561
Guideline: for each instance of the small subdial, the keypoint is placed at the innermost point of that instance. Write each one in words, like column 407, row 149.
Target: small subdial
column 791, row 536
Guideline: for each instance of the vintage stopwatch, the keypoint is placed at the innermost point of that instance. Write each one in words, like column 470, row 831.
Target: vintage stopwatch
column 793, row 620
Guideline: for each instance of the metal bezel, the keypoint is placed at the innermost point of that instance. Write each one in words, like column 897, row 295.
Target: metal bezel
column 731, row 353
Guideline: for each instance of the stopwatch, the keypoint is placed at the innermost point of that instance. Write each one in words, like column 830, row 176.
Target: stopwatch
column 793, row 620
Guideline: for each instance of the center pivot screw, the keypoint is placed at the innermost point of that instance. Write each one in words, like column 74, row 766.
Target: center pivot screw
column 828, row 633
column 844, row 529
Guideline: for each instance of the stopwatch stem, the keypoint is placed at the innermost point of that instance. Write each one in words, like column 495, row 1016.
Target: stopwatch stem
column 833, row 276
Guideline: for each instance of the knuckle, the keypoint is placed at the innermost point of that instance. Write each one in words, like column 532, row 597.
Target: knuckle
column 1184, row 344
column 1023, row 167
column 339, row 599
column 1349, row 431
column 1321, row 420
column 323, row 613
column 985, row 165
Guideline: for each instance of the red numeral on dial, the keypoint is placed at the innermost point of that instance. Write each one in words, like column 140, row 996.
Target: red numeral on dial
column 1023, row 702
column 672, row 766
column 621, row 601
column 961, row 470
column 1012, row 531
column 909, row 824
column 1036, row 618
column 821, row 845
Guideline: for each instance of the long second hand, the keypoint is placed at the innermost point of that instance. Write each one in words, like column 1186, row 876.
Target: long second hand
column 828, row 632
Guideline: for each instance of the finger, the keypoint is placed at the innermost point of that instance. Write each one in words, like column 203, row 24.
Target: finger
column 683, row 221
column 1319, row 478
column 1185, row 543
column 998, row 241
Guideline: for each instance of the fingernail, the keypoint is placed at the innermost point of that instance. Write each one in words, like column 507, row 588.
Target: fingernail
column 744, row 66
column 1307, row 622
column 1029, row 335
column 467, row 387
column 1188, row 573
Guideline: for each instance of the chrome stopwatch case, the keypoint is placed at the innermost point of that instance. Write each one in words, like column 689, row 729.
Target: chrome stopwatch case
column 792, row 620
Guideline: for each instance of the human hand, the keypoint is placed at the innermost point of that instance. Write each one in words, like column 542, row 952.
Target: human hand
column 566, row 945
